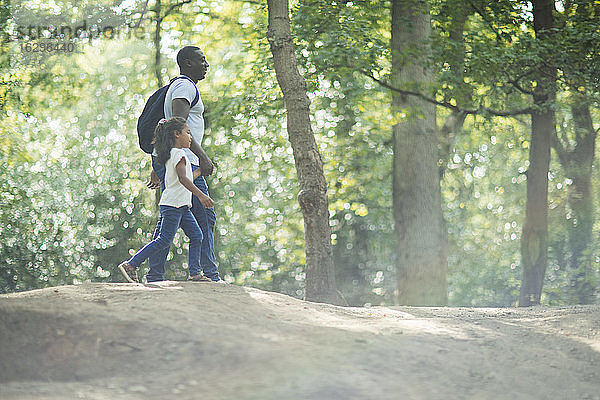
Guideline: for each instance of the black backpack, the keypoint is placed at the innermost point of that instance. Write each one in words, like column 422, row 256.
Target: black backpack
column 154, row 111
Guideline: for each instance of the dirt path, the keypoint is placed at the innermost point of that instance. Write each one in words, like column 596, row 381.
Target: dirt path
column 207, row 341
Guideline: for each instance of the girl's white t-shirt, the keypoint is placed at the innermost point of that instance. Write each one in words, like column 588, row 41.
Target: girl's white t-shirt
column 175, row 194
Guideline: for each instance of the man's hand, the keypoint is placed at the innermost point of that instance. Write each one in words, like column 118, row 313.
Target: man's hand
column 154, row 182
column 206, row 166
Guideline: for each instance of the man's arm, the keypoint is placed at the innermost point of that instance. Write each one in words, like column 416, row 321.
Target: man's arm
column 181, row 108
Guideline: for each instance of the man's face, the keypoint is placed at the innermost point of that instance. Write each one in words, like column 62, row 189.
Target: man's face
column 198, row 64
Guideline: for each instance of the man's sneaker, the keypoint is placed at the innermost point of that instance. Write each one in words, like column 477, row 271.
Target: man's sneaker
column 199, row 278
column 222, row 282
column 129, row 272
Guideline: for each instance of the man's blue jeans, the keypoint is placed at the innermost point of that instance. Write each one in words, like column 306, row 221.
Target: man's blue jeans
column 206, row 219
column 172, row 218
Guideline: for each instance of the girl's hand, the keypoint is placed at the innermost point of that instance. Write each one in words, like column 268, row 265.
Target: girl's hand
column 206, row 201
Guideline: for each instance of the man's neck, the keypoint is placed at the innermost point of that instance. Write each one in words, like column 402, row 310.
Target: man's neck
column 192, row 79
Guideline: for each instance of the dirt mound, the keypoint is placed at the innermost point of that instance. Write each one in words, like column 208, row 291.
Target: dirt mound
column 203, row 340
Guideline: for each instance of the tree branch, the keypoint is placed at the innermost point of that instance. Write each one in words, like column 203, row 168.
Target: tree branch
column 160, row 18
column 485, row 18
column 142, row 14
column 480, row 110
column 520, row 88
column 174, row 6
column 256, row 2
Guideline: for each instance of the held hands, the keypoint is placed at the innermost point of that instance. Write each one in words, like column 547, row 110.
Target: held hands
column 204, row 171
column 206, row 168
column 154, row 182
column 205, row 164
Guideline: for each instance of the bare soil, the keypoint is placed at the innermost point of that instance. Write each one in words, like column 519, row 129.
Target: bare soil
column 181, row 340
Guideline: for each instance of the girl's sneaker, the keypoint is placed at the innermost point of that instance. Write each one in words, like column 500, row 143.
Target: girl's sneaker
column 129, row 272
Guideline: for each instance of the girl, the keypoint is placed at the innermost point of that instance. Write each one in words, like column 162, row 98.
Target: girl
column 170, row 136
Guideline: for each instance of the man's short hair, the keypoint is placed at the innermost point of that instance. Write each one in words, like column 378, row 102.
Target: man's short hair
column 185, row 54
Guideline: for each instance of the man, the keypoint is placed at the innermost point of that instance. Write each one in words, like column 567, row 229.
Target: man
column 183, row 100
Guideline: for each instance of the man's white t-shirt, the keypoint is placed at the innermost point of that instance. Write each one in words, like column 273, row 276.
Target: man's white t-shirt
column 185, row 89
column 175, row 194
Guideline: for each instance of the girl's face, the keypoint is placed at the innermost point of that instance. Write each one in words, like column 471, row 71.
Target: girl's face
column 183, row 138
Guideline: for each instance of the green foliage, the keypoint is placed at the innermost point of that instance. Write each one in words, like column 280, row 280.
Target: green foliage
column 484, row 193
column 342, row 35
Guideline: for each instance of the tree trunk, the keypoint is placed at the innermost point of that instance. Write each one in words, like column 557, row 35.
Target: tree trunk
column 157, row 69
column 534, row 247
column 581, row 203
column 320, row 279
column 421, row 257
column 577, row 163
column 157, row 34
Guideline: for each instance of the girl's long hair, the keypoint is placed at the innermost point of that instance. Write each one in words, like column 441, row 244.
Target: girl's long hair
column 164, row 137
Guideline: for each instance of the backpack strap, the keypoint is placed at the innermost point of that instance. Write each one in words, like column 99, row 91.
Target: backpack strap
column 197, row 97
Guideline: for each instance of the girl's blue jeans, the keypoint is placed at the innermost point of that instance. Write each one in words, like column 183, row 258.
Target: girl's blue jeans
column 205, row 217
column 172, row 218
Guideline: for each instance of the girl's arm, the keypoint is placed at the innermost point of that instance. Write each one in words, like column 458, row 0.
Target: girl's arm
column 206, row 201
